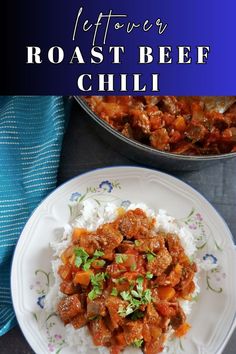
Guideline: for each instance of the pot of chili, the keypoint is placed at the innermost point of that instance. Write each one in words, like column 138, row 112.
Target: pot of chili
column 165, row 132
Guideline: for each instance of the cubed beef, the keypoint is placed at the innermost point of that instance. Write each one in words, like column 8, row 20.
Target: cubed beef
column 174, row 247
column 160, row 263
column 79, row 321
column 109, row 238
column 100, row 333
column 170, row 104
column 150, row 244
column 135, row 224
column 159, row 139
column 133, row 330
column 69, row 307
column 114, row 304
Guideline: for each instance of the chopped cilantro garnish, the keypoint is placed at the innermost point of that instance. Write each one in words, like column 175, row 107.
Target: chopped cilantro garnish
column 125, row 311
column 114, row 292
column 138, row 343
column 87, row 265
column 78, row 261
column 121, row 258
column 97, row 283
column 119, row 280
column 80, row 252
column 82, row 258
column 126, row 295
column 94, row 293
column 135, row 298
column 135, row 293
column 150, row 257
column 149, row 275
column 100, row 263
column 98, row 254
column 139, row 284
column 136, row 303
column 96, row 280
column 122, row 311
column 147, row 296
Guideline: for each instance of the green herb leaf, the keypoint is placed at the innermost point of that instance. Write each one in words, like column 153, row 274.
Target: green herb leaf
column 98, row 254
column 126, row 295
column 87, row 265
column 149, row 275
column 96, row 280
column 81, row 256
column 114, row 292
column 136, row 303
column 147, row 296
column 122, row 311
column 150, row 257
column 119, row 280
column 125, row 311
column 121, row 258
column 139, row 284
column 135, row 294
column 137, row 243
column 94, row 293
column 80, row 252
column 138, row 343
column 97, row 283
column 78, row 261
column 100, row 263
column 129, row 310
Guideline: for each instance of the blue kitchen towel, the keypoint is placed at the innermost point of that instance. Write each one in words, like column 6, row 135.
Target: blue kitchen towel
column 31, row 132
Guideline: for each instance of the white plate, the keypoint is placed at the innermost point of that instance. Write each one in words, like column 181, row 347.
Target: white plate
column 214, row 313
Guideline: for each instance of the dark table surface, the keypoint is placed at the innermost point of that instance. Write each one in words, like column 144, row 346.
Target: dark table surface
column 83, row 150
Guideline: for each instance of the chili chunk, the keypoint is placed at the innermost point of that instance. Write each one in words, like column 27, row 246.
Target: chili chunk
column 125, row 282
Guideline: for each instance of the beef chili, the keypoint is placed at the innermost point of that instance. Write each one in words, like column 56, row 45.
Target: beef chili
column 124, row 281
column 180, row 125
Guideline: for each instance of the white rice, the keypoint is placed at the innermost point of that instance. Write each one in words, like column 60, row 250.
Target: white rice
column 90, row 215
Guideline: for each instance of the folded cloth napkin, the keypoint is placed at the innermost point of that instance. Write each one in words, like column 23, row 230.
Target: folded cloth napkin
column 31, row 132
